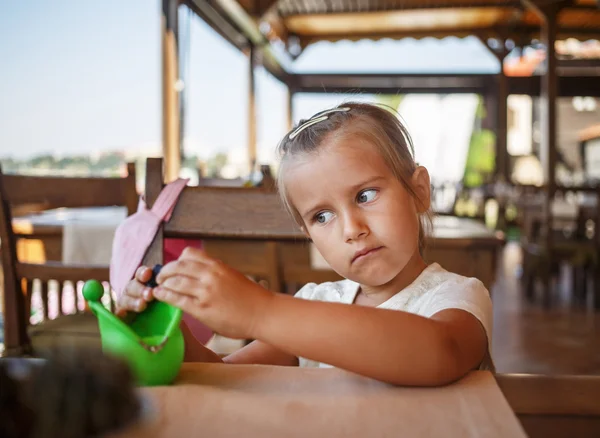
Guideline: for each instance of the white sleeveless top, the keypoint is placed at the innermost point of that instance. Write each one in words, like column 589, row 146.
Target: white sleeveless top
column 434, row 290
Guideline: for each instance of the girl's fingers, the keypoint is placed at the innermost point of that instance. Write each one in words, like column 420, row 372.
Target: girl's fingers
column 137, row 290
column 132, row 304
column 143, row 274
column 174, row 298
column 188, row 268
column 181, row 284
column 196, row 254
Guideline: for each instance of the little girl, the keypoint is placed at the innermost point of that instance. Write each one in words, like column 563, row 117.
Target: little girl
column 349, row 179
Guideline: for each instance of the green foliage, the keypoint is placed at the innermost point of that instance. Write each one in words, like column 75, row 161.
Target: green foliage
column 481, row 158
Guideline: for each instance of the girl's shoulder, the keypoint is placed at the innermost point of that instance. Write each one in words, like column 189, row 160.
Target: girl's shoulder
column 435, row 278
column 437, row 288
column 342, row 291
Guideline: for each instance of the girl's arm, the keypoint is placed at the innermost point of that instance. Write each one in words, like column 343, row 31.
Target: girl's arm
column 388, row 345
column 258, row 352
column 255, row 353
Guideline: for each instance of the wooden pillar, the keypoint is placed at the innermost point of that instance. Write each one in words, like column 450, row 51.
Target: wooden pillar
column 500, row 51
column 170, row 94
column 548, row 94
column 500, row 118
column 16, row 338
column 548, row 13
column 502, row 158
column 290, row 109
column 252, row 108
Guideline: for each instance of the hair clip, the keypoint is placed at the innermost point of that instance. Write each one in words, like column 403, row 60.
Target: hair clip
column 319, row 117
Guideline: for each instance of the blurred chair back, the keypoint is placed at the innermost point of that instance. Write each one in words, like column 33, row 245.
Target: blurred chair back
column 554, row 406
column 224, row 217
column 570, row 237
column 19, row 276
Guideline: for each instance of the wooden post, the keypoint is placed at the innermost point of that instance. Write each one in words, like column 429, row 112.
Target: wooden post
column 549, row 89
column 252, row 108
column 502, row 158
column 548, row 152
column 549, row 92
column 170, row 94
column 16, row 338
column 502, row 170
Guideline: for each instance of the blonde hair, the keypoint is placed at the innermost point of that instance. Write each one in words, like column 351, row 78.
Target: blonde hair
column 377, row 124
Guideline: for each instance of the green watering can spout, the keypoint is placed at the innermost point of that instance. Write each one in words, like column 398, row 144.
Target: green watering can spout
column 152, row 343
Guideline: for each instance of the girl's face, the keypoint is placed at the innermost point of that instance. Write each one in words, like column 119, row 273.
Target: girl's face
column 359, row 216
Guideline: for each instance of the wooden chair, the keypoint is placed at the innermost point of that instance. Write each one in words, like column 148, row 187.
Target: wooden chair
column 542, row 255
column 246, row 228
column 554, row 406
column 19, row 276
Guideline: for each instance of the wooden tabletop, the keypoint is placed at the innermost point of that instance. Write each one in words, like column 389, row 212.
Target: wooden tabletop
column 257, row 400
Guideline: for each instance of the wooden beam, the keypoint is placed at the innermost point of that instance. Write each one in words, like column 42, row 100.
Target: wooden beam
column 170, row 95
column 385, row 83
column 591, row 63
column 248, row 26
column 262, row 6
column 274, row 27
column 218, row 23
column 499, row 52
column 527, row 32
column 568, row 86
column 393, row 6
column 546, row 8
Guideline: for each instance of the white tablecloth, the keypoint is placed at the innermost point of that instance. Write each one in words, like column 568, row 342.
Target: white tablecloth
column 88, row 236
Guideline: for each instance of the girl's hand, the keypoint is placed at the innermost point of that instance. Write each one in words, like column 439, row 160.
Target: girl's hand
column 136, row 295
column 215, row 294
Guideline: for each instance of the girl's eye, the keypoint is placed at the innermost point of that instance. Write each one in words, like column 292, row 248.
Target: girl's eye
column 323, row 217
column 366, row 195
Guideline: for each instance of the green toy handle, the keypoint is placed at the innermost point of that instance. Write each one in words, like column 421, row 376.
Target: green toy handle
column 93, row 291
column 174, row 324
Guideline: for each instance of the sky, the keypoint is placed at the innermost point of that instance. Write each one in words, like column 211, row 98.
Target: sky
column 81, row 77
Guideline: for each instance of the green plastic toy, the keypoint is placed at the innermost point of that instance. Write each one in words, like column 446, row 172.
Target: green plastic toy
column 152, row 343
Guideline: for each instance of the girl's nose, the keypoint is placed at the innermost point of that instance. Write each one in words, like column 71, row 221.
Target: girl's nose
column 355, row 227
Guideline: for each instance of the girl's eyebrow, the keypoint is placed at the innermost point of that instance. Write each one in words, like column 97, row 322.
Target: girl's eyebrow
column 368, row 181
column 308, row 213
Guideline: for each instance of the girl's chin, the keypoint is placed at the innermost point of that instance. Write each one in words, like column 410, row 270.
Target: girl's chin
column 374, row 279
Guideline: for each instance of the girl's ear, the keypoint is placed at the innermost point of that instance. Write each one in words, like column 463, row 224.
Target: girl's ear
column 422, row 187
